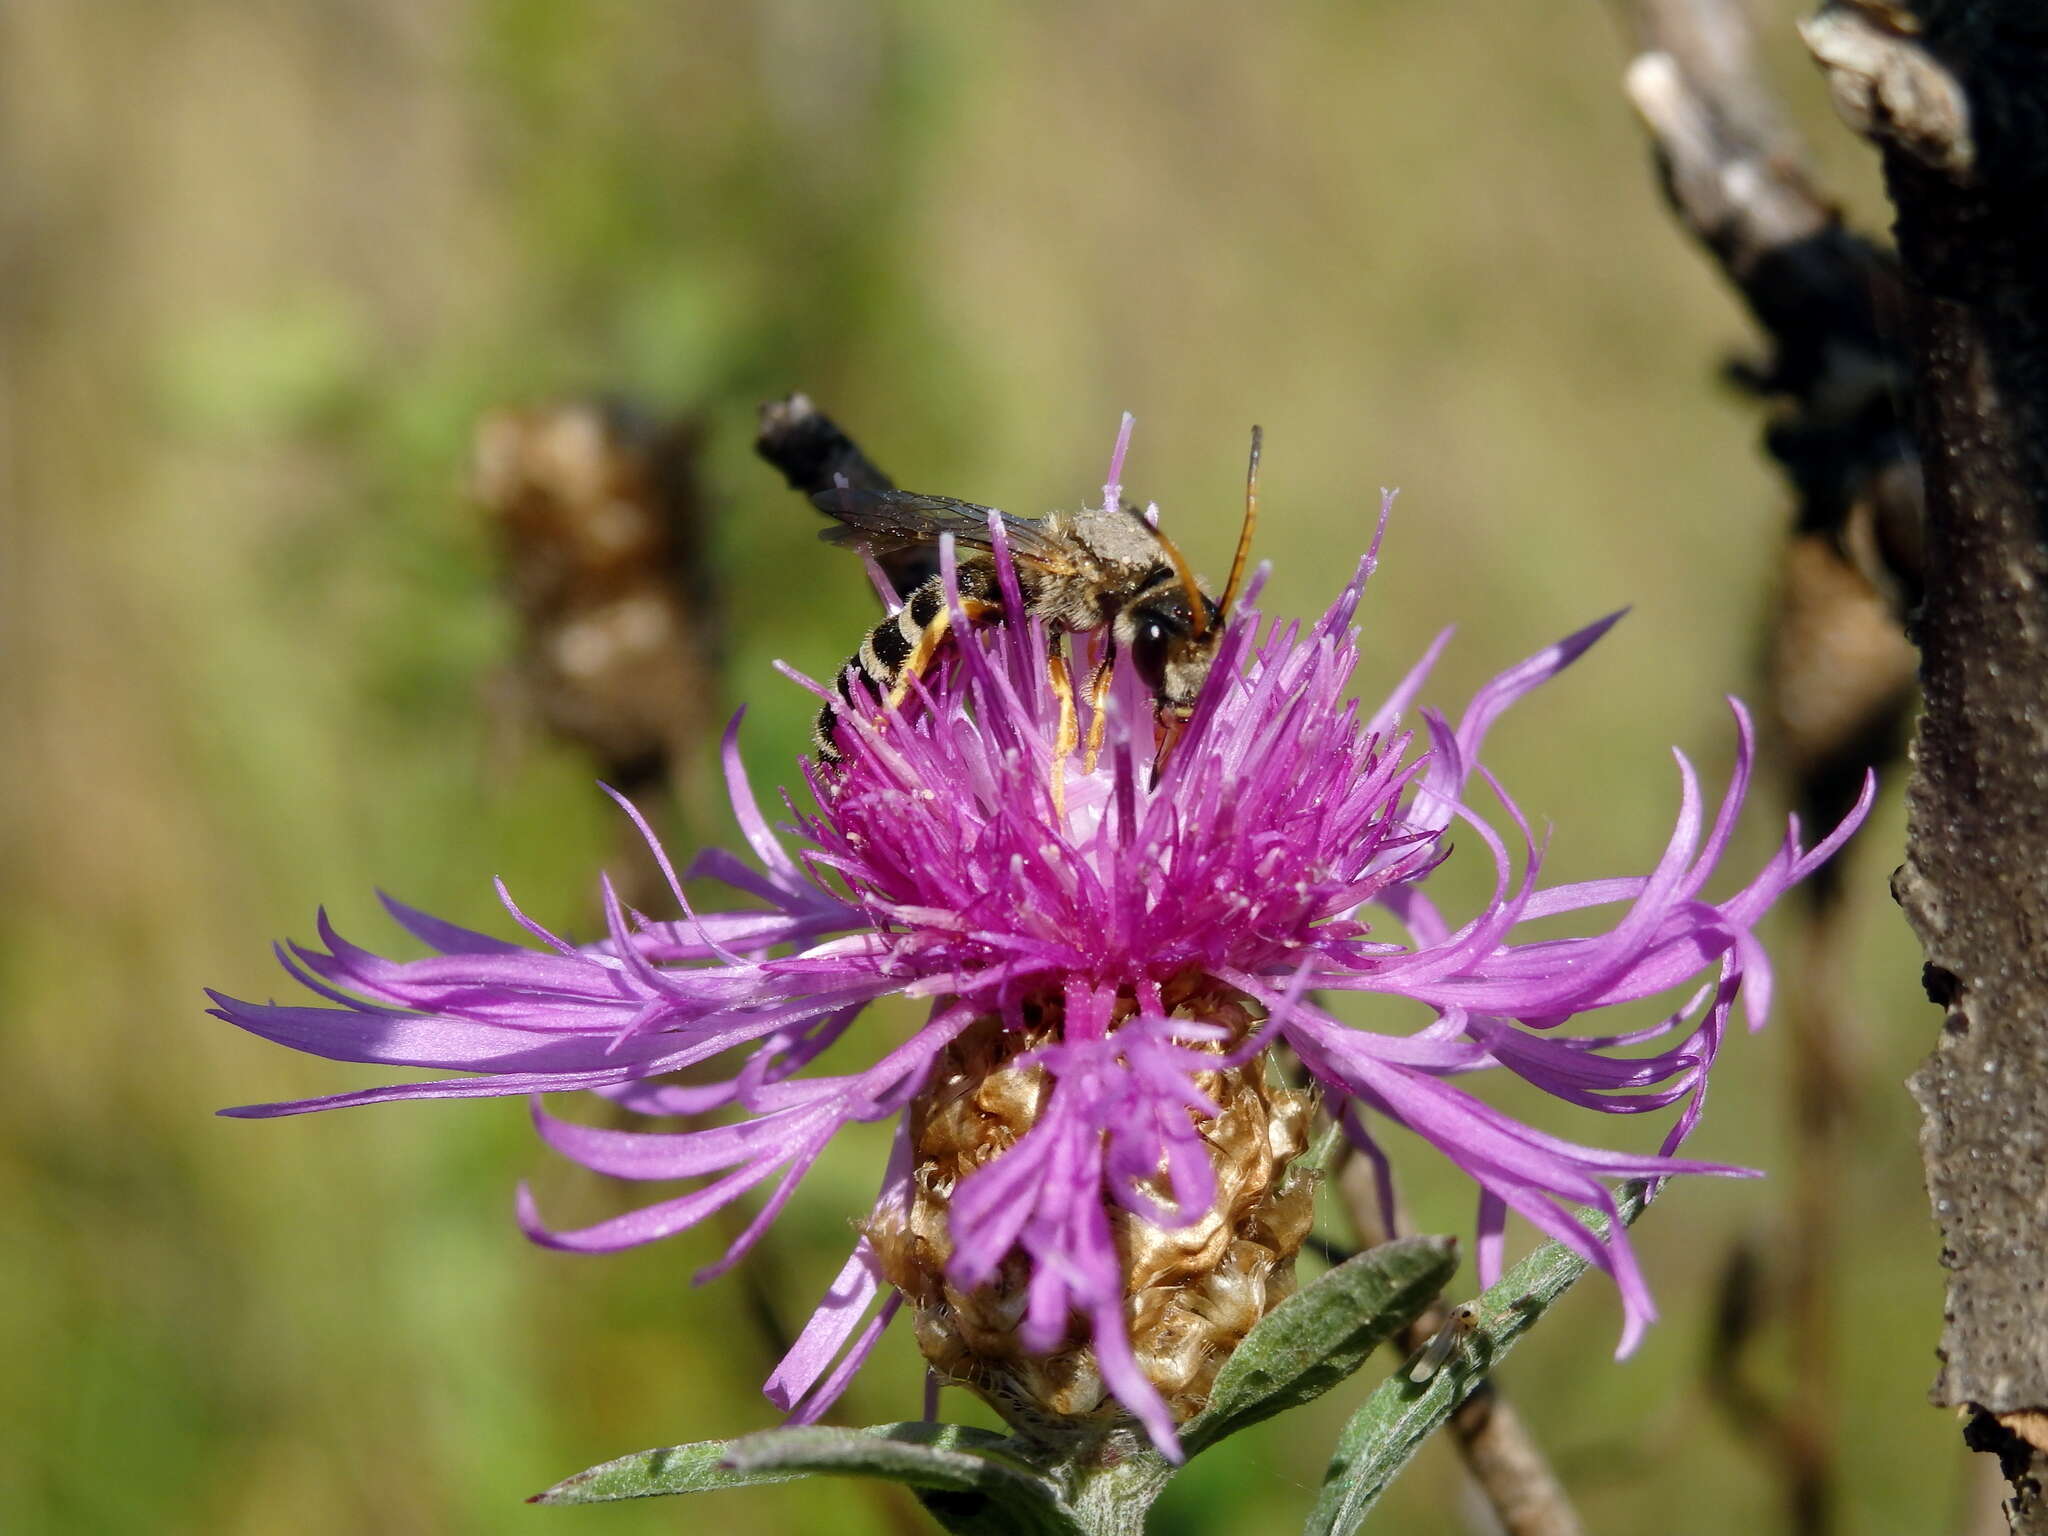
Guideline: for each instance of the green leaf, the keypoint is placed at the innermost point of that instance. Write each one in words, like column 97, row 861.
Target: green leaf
column 948, row 1456
column 695, row 1468
column 1322, row 1333
column 1392, row 1424
column 971, row 1481
column 774, row 1456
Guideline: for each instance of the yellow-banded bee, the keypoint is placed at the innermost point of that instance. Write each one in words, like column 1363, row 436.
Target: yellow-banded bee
column 1077, row 571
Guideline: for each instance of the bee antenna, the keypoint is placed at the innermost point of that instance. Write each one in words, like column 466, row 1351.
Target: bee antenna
column 1251, row 521
column 1198, row 606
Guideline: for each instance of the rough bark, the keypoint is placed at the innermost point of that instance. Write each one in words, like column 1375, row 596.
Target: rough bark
column 1956, row 96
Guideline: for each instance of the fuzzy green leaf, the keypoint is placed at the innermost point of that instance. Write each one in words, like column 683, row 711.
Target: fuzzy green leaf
column 1322, row 1333
column 1392, row 1424
column 695, row 1468
column 968, row 1479
column 921, row 1455
column 945, row 1456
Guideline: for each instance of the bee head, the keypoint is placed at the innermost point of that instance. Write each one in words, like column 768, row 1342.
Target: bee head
column 1171, row 651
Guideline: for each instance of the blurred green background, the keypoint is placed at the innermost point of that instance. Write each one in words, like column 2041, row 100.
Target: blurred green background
column 262, row 266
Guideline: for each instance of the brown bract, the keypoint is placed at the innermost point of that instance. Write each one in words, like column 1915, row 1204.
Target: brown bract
column 1191, row 1293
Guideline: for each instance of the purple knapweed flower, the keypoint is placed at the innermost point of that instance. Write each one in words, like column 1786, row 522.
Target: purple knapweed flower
column 1088, row 1136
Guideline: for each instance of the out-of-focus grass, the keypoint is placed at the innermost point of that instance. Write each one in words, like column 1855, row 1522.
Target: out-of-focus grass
column 265, row 265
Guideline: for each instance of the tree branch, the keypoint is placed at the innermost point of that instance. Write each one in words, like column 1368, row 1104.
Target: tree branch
column 1955, row 93
column 1839, row 671
column 1828, row 302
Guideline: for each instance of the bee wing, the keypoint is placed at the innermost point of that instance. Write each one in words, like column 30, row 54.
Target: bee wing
column 891, row 520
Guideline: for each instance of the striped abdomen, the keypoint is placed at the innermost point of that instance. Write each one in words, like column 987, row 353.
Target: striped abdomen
column 903, row 645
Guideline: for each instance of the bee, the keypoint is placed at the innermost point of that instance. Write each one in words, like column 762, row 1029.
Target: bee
column 1077, row 571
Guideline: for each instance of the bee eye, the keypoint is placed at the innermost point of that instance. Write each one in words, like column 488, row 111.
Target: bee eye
column 1148, row 653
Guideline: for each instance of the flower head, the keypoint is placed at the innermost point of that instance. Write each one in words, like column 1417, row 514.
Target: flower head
column 1089, row 1200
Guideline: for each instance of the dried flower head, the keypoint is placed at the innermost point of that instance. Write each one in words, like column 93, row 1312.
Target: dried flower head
column 1090, row 1198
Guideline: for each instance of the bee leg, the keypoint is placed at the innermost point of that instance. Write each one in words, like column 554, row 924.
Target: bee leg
column 1098, row 712
column 1170, row 727
column 1068, row 732
column 920, row 659
column 926, row 651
